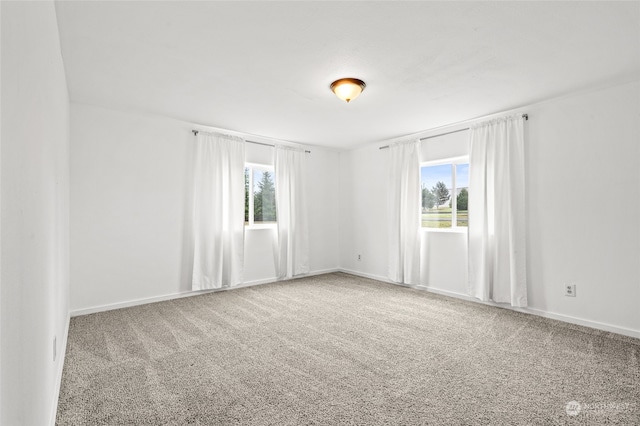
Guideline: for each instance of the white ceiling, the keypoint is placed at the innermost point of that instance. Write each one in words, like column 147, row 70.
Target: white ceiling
column 264, row 68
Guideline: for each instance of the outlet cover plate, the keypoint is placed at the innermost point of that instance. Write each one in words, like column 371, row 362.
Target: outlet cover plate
column 570, row 290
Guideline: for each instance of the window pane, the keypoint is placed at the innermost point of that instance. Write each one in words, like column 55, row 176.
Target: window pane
column 246, row 196
column 436, row 196
column 264, row 197
column 462, row 190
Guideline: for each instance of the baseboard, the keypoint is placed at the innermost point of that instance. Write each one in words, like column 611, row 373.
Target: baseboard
column 370, row 276
column 586, row 323
column 179, row 295
column 319, row 272
column 533, row 311
column 58, row 381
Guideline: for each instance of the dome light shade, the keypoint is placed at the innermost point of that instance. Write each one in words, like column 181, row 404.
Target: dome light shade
column 348, row 89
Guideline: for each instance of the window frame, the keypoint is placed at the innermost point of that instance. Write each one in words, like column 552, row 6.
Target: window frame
column 250, row 224
column 454, row 161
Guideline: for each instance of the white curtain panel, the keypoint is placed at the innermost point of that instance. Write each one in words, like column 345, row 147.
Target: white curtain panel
column 292, row 251
column 404, row 212
column 497, row 257
column 218, row 211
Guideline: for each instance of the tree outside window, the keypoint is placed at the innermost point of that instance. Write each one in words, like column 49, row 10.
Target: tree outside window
column 445, row 195
column 259, row 195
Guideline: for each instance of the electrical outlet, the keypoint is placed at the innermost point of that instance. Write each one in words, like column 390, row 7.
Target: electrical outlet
column 55, row 347
column 359, row 257
column 570, row 290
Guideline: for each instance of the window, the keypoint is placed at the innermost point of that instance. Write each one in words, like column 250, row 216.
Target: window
column 260, row 201
column 445, row 192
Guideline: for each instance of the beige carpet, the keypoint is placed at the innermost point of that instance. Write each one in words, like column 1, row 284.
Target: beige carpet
column 339, row 349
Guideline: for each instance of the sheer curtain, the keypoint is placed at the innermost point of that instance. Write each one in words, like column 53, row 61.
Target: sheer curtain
column 497, row 258
column 404, row 212
column 292, row 251
column 218, row 215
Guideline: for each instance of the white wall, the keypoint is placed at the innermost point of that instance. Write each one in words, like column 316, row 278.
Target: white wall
column 583, row 208
column 444, row 250
column 34, row 215
column 1, row 412
column 583, row 186
column 363, row 211
column 130, row 192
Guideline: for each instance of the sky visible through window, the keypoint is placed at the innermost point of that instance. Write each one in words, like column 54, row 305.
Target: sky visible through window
column 434, row 174
column 257, row 178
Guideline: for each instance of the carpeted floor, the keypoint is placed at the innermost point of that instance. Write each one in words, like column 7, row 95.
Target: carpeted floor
column 339, row 349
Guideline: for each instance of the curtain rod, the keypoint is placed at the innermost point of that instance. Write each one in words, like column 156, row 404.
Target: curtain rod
column 195, row 133
column 525, row 116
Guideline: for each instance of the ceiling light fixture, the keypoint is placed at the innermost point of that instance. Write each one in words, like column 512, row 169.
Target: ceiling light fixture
column 348, row 89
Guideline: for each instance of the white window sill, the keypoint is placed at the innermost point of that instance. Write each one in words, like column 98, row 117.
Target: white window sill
column 269, row 226
column 458, row 230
